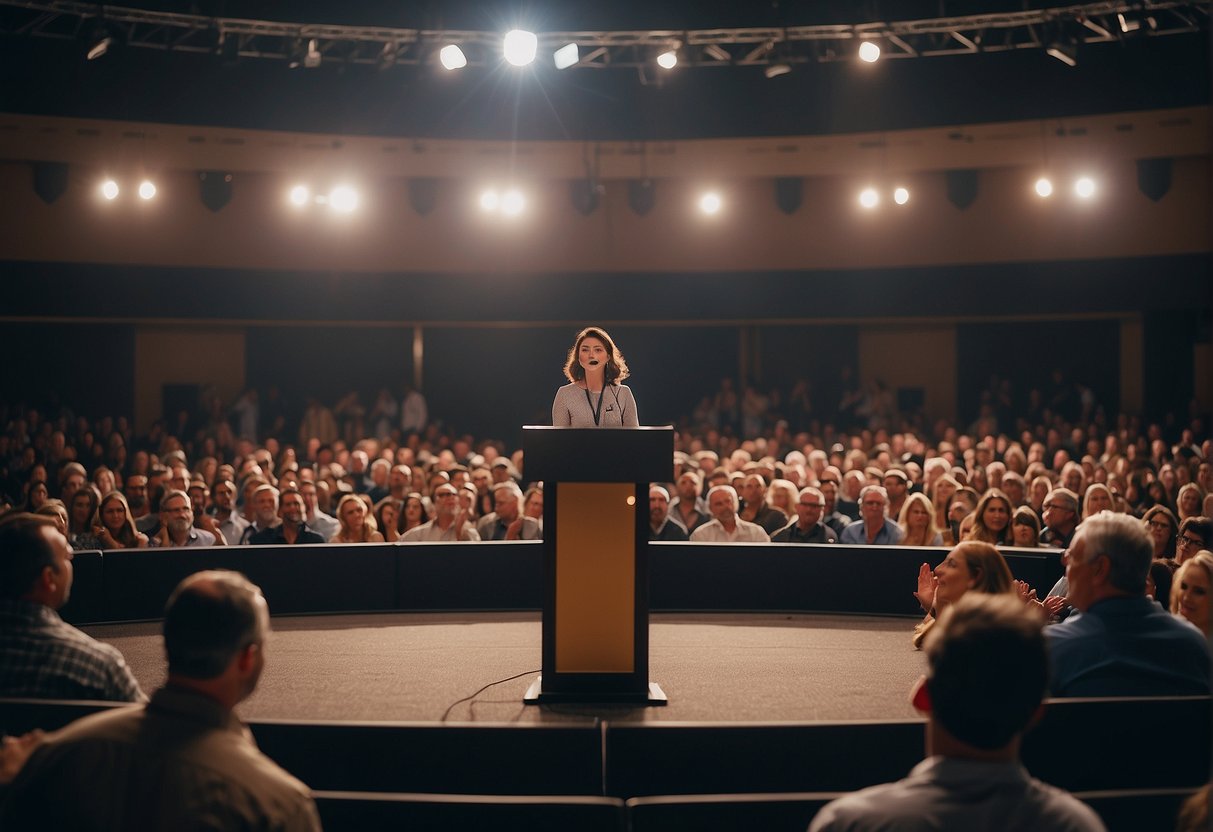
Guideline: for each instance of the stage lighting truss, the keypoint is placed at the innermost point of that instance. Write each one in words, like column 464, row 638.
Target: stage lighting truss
column 1039, row 29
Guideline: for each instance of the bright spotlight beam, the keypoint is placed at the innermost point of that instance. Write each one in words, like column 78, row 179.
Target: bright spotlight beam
column 710, row 203
column 566, row 56
column 520, row 46
column 109, row 189
column 300, row 195
column 869, row 198
column 343, row 199
column 667, row 60
column 901, row 196
column 1085, row 187
column 513, row 203
column 869, row 52
column 1044, row 188
column 147, row 190
column 452, row 57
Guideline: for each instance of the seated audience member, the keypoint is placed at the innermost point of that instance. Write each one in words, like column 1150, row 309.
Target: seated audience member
column 40, row 655
column 1013, row 486
column 1097, row 498
column 183, row 761
column 688, row 508
column 1189, row 501
column 873, row 528
column 322, row 524
column 941, row 498
column 992, row 519
column 807, row 527
column 113, row 525
column 754, row 508
column 1122, row 643
column 917, row 522
column 506, row 521
column 987, row 674
column 36, row 495
column 782, row 496
column 1025, row 529
column 972, row 565
column 1060, row 516
column 262, row 506
column 831, row 516
column 661, row 525
column 357, row 526
column 413, row 513
column 961, row 508
column 177, row 523
column 726, row 526
column 291, row 529
column 387, row 518
column 80, row 512
column 532, row 503
column 1195, row 533
column 450, row 521
column 896, row 486
column 1190, row 591
column 200, row 498
column 228, row 521
column 1161, row 525
column 54, row 509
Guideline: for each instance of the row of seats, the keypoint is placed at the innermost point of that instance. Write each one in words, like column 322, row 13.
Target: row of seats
column 1130, row 810
column 132, row 584
column 1080, row 745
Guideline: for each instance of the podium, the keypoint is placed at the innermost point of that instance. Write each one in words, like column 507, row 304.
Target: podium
column 595, row 543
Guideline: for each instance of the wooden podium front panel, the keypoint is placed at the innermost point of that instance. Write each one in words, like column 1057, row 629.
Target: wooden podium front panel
column 595, row 578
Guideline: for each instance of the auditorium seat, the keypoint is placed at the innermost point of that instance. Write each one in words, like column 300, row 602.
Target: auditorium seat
column 366, row 812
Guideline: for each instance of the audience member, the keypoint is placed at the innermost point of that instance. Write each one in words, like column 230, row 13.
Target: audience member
column 971, row 565
column 113, row 525
column 41, row 656
column 688, row 508
column 726, row 526
column 987, row 674
column 183, row 761
column 1190, row 591
column 1122, row 643
column 357, row 524
column 1161, row 524
column 450, row 522
column 1059, row 512
column 177, row 523
column 917, row 522
column 661, row 525
column 807, row 527
column 322, row 524
column 1195, row 533
column 874, row 528
column 754, row 508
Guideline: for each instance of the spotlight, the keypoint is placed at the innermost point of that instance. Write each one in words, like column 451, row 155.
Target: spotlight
column 901, row 196
column 147, row 189
column 774, row 70
column 512, row 203
column 1067, row 53
column 99, row 41
column 300, row 195
column 868, row 198
column 869, row 52
column 566, row 56
column 343, row 199
column 668, row 59
column 519, row 46
column 109, row 189
column 489, row 200
column 1044, row 188
column 452, row 57
column 710, row 203
column 1084, row 187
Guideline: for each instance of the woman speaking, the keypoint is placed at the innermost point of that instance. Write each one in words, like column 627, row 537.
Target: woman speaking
column 594, row 398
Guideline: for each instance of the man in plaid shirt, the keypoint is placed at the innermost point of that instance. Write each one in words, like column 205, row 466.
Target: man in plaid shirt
column 41, row 656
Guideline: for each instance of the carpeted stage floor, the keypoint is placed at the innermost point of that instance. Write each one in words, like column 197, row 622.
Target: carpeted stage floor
column 412, row 667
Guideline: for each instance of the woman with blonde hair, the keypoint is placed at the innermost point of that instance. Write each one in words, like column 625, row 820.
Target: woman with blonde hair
column 941, row 493
column 973, row 565
column 1190, row 500
column 357, row 524
column 783, row 495
column 1190, row 590
column 917, row 520
column 992, row 519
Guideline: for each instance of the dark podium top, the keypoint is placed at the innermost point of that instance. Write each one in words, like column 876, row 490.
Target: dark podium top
column 562, row 454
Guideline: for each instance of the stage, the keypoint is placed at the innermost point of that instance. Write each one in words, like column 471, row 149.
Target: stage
column 413, row 667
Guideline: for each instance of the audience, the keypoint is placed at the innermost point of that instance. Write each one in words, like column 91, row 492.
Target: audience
column 726, row 526
column 1190, row 589
column 807, row 527
column 987, row 673
column 874, row 528
column 183, row 761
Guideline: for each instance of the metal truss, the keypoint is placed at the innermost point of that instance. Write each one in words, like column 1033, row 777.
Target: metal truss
column 779, row 49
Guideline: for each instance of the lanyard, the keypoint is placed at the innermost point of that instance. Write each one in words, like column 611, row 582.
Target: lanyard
column 597, row 414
